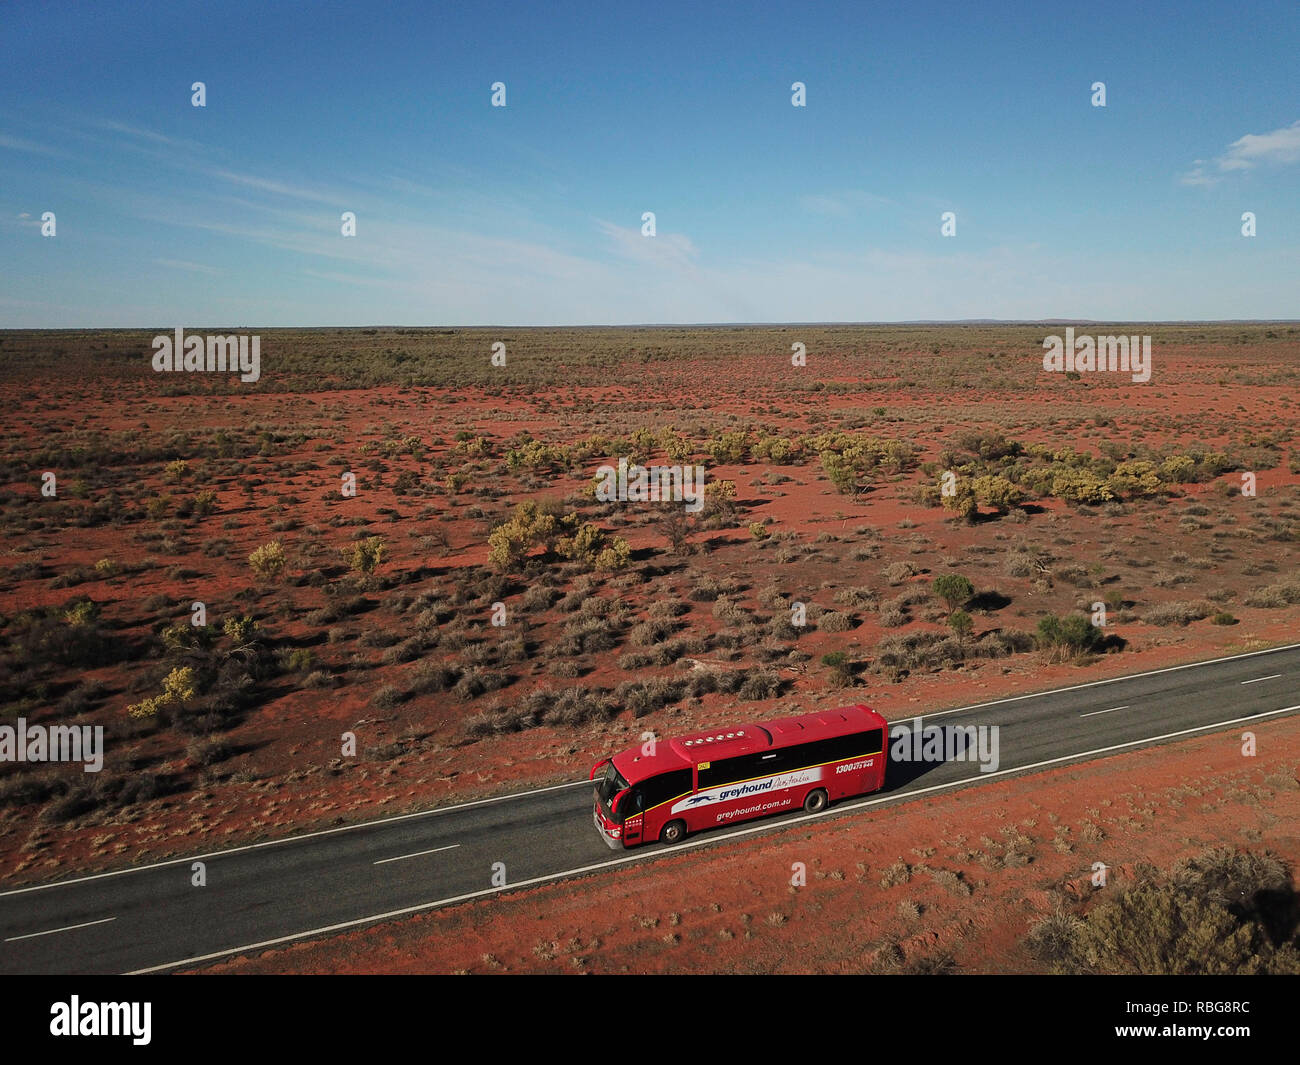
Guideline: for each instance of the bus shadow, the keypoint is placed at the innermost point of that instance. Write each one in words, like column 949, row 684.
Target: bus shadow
column 913, row 765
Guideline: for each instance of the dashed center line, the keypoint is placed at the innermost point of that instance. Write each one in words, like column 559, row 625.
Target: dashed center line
column 1258, row 679
column 417, row 854
column 65, row 928
column 1094, row 713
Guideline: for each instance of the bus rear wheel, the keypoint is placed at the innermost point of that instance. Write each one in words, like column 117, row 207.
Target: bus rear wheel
column 673, row 832
column 816, row 801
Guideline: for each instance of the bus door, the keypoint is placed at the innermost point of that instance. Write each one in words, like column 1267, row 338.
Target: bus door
column 632, row 807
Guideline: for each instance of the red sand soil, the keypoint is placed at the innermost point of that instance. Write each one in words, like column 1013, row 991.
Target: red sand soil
column 287, row 774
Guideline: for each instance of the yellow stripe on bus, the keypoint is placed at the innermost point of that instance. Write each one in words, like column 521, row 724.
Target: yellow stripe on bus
column 833, row 761
column 733, row 783
column 667, row 801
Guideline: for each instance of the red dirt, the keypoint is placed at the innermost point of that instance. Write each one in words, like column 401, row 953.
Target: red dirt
column 286, row 774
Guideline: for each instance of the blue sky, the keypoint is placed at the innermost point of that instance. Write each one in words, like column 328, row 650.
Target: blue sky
column 168, row 214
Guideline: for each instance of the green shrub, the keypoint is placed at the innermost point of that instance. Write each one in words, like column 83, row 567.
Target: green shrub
column 268, row 560
column 997, row 492
column 178, row 687
column 961, row 501
column 728, row 448
column 953, row 589
column 242, row 631
column 1081, row 486
column 1135, row 478
column 1178, row 469
column 365, row 555
column 841, row 670
column 1071, row 635
column 529, row 527
column 591, row 546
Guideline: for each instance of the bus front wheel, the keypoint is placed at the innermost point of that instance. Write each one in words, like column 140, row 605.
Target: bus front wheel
column 816, row 801
column 674, row 832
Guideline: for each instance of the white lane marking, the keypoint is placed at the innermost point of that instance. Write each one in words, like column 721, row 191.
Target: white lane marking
column 51, row 931
column 292, row 839
column 1094, row 713
column 417, row 854
column 581, row 783
column 704, row 840
column 1112, row 680
column 1258, row 679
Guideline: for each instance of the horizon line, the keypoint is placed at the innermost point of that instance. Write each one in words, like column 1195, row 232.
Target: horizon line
column 689, row 325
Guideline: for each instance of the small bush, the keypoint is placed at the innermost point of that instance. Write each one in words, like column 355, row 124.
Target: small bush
column 1071, row 635
column 386, row 698
column 898, row 572
column 267, row 561
column 208, row 752
column 1055, row 938
column 835, row 621
column 953, row 589
column 365, row 555
column 763, row 684
column 898, row 873
column 1177, row 613
column 433, row 677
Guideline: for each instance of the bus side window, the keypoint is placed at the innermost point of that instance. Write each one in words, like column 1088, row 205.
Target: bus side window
column 665, row 786
column 731, row 770
column 777, row 761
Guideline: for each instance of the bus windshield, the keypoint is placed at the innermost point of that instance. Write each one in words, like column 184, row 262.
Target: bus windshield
column 609, row 785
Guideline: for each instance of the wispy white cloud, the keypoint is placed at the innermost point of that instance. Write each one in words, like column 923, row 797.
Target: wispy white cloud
column 18, row 144
column 148, row 141
column 844, row 203
column 1278, row 147
column 193, row 157
column 1198, row 176
column 672, row 250
column 113, row 126
column 181, row 264
column 822, row 204
column 278, row 188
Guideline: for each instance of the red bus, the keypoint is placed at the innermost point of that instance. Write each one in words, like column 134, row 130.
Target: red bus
column 729, row 775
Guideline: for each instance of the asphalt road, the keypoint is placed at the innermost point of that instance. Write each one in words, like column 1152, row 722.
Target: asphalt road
column 151, row 918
